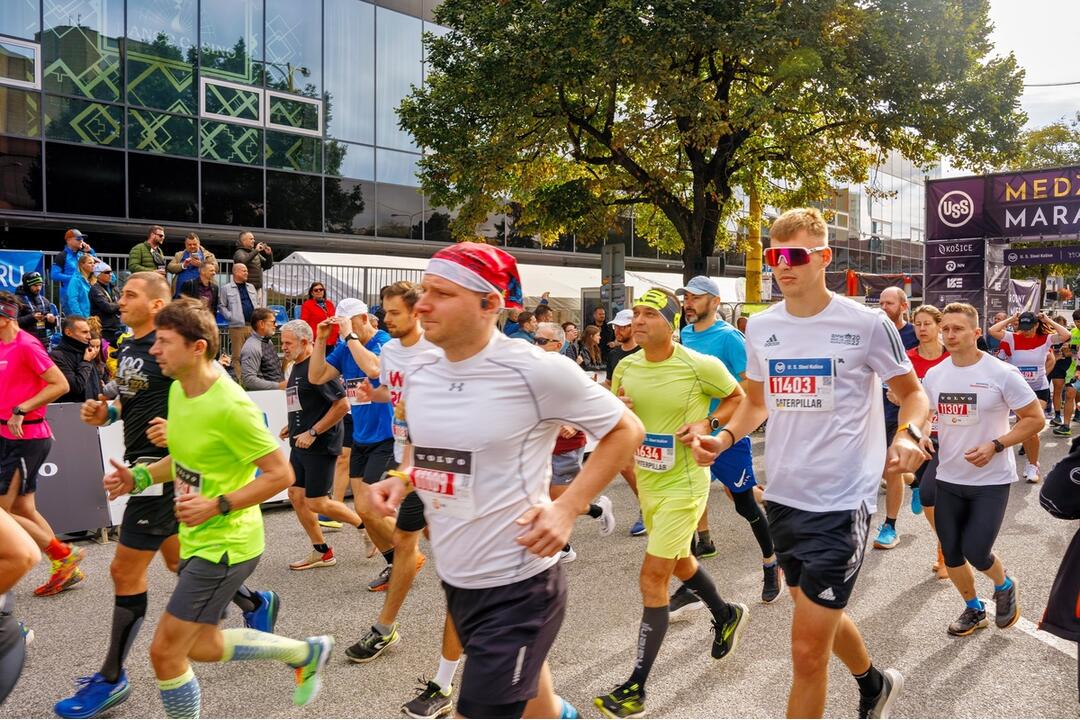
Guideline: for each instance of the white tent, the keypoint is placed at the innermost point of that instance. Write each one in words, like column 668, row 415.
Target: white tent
column 348, row 275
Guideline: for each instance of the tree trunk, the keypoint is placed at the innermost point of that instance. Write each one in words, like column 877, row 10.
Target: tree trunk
column 753, row 248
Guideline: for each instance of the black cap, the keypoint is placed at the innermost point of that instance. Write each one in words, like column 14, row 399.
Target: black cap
column 1027, row 320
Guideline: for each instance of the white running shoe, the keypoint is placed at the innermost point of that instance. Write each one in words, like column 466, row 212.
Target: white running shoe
column 567, row 556
column 607, row 516
column 1031, row 472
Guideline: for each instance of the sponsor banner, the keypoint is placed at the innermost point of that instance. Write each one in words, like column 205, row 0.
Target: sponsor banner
column 1034, row 203
column 1042, row 256
column 16, row 263
column 955, row 271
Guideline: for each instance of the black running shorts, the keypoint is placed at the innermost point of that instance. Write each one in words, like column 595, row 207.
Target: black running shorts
column 821, row 552
column 507, row 632
column 346, row 424
column 1043, row 395
column 314, row 473
column 149, row 521
column 410, row 516
column 370, row 461
column 204, row 589
column 24, row 456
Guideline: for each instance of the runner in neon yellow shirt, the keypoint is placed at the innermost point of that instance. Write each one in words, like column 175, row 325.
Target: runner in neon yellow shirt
column 1065, row 428
column 671, row 389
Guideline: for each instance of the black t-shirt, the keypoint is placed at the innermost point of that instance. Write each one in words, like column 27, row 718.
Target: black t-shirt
column 910, row 340
column 307, row 404
column 144, row 395
column 615, row 355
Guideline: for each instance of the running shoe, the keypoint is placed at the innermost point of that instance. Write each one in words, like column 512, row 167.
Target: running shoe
column 372, row 645
column 27, row 633
column 892, row 682
column 432, row 702
column 683, row 602
column 916, row 501
column 772, row 584
column 1062, row 431
column 315, row 559
column 309, row 676
column 607, row 516
column 726, row 636
column 638, row 528
column 886, row 538
column 1056, row 420
column 969, row 621
column 704, row 549
column 625, row 701
column 567, row 556
column 329, row 524
column 1031, row 472
column 93, row 696
column 382, row 580
column 569, row 712
column 1007, row 611
column 264, row 617
column 63, row 571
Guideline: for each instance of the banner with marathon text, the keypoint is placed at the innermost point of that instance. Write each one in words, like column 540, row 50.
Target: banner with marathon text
column 955, row 271
column 1042, row 255
column 16, row 263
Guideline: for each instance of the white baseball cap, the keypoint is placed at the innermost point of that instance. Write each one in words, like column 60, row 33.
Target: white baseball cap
column 351, row 307
column 622, row 318
column 101, row 267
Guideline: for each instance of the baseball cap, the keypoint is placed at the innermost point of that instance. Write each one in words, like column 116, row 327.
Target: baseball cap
column 351, row 307
column 102, row 268
column 661, row 302
column 481, row 268
column 33, row 278
column 74, row 233
column 1027, row 320
column 700, row 285
column 622, row 318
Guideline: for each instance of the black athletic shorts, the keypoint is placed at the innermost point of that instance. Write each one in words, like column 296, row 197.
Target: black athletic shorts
column 1043, row 395
column 26, row 456
column 821, row 552
column 346, row 440
column 1061, row 368
column 370, row 461
column 506, row 632
column 410, row 516
column 204, row 589
column 149, row 521
column 314, row 472
column 890, row 432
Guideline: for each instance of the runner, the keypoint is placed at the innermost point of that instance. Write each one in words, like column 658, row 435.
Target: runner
column 314, row 432
column 149, row 524
column 217, row 439
column 928, row 353
column 1064, row 428
column 398, row 357
column 671, row 389
column 708, row 334
column 490, row 409
column 973, row 395
column 1029, row 349
column 355, row 360
column 814, row 364
column 31, row 382
column 18, row 555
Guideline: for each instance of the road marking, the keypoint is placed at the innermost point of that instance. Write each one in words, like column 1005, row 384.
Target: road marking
column 1029, row 628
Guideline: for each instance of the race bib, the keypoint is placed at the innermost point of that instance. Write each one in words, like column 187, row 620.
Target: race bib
column 934, row 424
column 656, row 453
column 1030, row 372
column 187, row 481
column 444, row 480
column 292, row 399
column 358, row 390
column 801, row 384
column 958, row 409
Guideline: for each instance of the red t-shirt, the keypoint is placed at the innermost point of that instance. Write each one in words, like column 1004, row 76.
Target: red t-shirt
column 921, row 364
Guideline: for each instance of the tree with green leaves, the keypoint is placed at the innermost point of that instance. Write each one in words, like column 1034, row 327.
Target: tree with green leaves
column 574, row 109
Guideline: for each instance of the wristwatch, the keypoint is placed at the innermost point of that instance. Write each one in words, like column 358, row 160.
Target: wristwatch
column 998, row 447
column 913, row 432
column 313, row 433
column 352, row 336
column 223, row 505
column 17, row 411
column 714, row 424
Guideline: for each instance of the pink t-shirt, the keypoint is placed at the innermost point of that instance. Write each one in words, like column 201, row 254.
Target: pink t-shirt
column 22, row 361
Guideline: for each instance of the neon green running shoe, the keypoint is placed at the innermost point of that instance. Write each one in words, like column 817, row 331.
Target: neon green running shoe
column 625, row 701
column 309, row 675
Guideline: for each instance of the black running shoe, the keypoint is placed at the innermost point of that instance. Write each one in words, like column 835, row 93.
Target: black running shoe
column 704, row 549
column 726, row 636
column 772, row 584
column 372, row 645
column 683, row 602
column 432, row 702
column 969, row 621
column 1008, row 609
column 892, row 682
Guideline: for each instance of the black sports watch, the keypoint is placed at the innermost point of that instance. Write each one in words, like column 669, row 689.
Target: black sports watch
column 714, row 424
column 352, row 336
column 313, row 433
column 223, row 505
column 998, row 447
column 17, row 411
column 913, row 432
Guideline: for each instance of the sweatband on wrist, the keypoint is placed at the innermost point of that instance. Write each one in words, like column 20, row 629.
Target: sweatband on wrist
column 114, row 414
column 142, row 476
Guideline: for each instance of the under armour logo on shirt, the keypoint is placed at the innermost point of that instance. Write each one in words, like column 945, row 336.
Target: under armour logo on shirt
column 457, row 387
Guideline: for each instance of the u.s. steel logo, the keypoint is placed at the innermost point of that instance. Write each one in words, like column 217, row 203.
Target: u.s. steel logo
column 956, row 208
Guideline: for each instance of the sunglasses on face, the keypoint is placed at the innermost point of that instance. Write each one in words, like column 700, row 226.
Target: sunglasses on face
column 542, row 341
column 318, row 290
column 793, row 256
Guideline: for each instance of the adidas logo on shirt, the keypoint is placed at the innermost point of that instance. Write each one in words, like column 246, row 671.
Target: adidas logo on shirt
column 773, row 341
column 827, row 594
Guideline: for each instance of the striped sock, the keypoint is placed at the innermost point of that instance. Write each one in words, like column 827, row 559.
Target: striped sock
column 246, row 644
column 181, row 696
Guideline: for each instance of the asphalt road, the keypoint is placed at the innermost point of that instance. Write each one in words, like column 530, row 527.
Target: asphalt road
column 899, row 605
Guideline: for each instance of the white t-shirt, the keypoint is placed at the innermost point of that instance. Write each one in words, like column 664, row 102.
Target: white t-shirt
column 395, row 363
column 1030, row 357
column 482, row 433
column 973, row 405
column 825, row 440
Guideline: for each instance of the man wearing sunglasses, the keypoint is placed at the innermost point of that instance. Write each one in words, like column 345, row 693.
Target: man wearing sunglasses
column 814, row 367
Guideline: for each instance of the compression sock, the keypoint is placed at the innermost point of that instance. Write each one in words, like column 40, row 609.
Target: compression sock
column 704, row 588
column 703, row 536
column 246, row 600
column 1005, row 585
column 654, row 625
column 248, row 644
column 594, row 511
column 57, row 550
column 974, row 603
column 890, row 522
column 870, row 682
column 566, row 547
column 128, row 614
column 389, row 555
column 750, row 511
column 445, row 677
column 322, row 549
column 181, row 696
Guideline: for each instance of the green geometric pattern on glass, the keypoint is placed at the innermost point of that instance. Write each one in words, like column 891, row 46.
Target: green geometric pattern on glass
column 293, row 152
column 231, row 102
column 230, row 143
column 159, row 82
column 159, row 133
column 22, row 114
column 79, row 60
column 293, row 113
column 82, row 121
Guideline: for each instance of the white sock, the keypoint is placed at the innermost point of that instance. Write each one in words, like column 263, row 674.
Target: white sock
column 445, row 676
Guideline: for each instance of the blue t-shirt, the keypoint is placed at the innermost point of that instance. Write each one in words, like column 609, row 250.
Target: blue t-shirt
column 721, row 341
column 910, row 340
column 372, row 423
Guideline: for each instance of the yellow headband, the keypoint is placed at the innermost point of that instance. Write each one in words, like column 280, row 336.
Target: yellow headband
column 663, row 303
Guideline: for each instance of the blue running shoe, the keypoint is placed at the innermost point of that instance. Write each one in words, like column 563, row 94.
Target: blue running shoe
column 569, row 712
column 886, row 538
column 93, row 696
column 264, row 617
column 916, row 501
column 638, row 528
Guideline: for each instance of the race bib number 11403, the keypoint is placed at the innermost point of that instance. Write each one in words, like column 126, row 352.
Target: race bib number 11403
column 800, row 384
